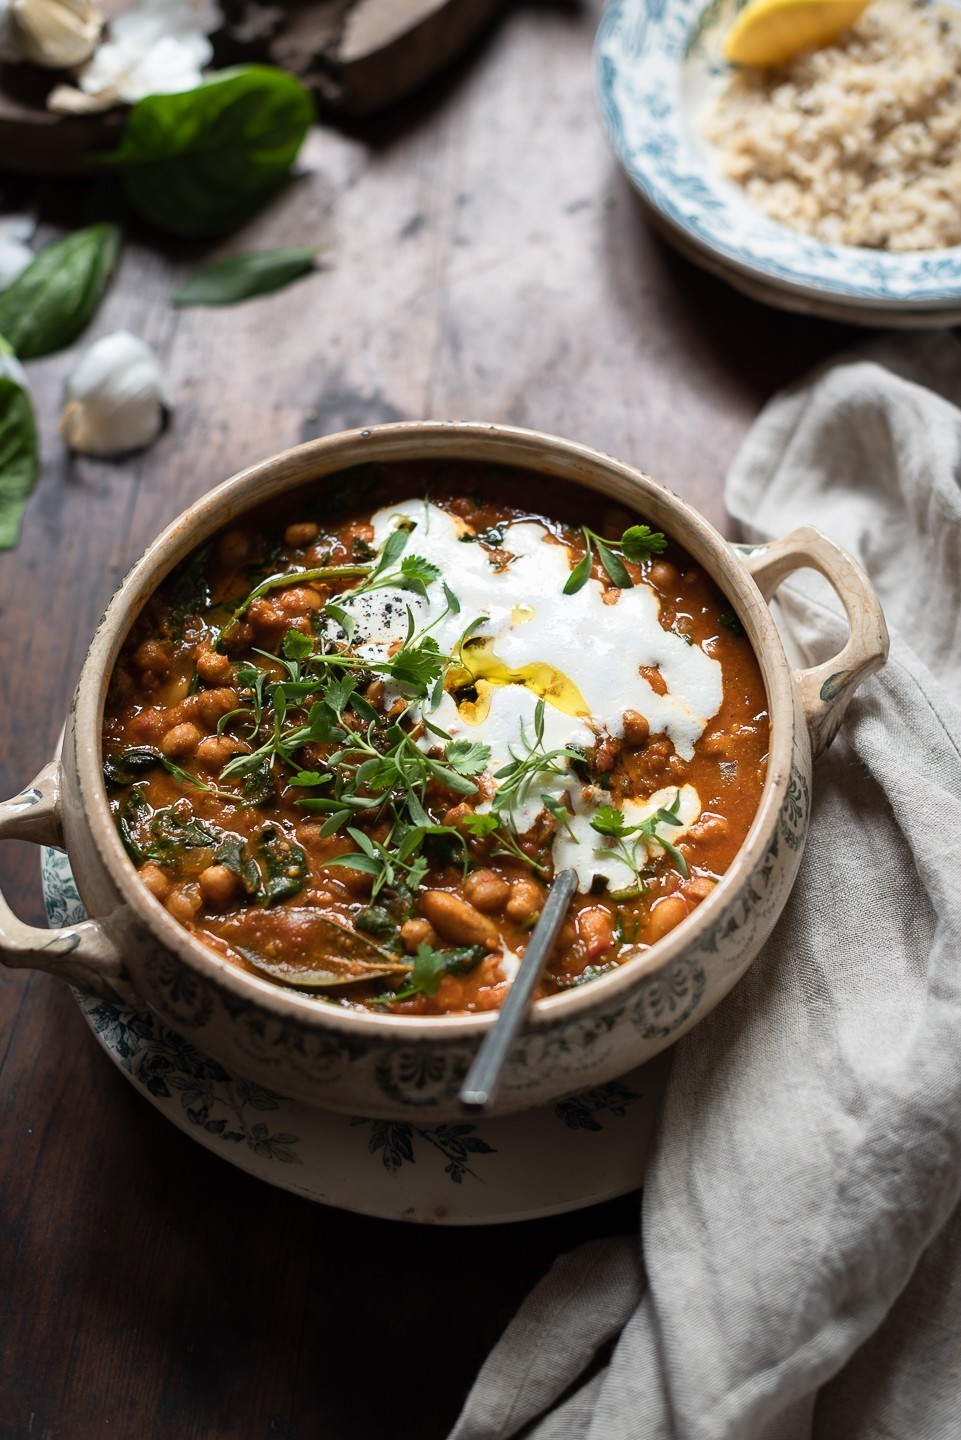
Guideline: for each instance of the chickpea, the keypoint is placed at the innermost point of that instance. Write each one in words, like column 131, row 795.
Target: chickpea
column 708, row 827
column 233, row 547
column 607, row 753
column 155, row 880
column 487, row 891
column 184, row 902
column 264, row 617
column 152, row 657
column 665, row 915
column 298, row 600
column 150, row 725
column 301, row 534
column 212, row 705
column 636, row 728
column 595, row 929
column 180, row 740
column 457, row 815
column 214, row 751
column 457, row 920
column 218, row 886
column 527, row 899
column 214, row 668
column 238, row 637
column 663, row 576
column 414, row 933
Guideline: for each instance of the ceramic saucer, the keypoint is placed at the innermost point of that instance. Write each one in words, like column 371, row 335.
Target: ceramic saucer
column 565, row 1156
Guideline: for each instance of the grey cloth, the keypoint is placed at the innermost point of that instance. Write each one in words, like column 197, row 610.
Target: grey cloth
column 799, row 1267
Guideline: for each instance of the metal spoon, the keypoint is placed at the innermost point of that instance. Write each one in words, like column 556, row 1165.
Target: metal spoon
column 484, row 1076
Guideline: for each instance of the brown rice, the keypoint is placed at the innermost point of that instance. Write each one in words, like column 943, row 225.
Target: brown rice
column 857, row 143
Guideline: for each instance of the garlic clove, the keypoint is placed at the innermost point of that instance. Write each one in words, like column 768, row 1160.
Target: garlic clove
column 15, row 253
column 55, row 33
column 115, row 397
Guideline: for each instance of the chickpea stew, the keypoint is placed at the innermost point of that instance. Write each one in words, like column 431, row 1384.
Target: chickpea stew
column 349, row 741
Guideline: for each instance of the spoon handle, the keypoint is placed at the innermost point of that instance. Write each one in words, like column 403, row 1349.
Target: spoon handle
column 483, row 1078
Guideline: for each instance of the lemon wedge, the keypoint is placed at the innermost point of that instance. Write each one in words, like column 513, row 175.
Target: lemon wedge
column 771, row 32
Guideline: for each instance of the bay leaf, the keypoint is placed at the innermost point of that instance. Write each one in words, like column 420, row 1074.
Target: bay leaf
column 325, row 956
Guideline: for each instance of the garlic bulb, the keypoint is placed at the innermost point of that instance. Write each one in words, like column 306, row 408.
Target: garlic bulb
column 115, row 397
column 54, row 33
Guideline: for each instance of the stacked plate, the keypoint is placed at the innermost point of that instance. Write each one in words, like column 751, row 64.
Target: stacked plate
column 657, row 62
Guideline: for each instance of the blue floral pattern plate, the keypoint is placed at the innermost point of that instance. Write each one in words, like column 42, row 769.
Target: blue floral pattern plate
column 565, row 1156
column 656, row 64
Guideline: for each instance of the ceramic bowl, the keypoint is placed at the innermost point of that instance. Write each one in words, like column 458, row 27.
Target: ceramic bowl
column 392, row 1066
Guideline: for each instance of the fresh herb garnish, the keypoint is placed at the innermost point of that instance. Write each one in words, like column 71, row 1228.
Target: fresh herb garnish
column 729, row 620
column 610, row 821
column 429, row 968
column 637, row 544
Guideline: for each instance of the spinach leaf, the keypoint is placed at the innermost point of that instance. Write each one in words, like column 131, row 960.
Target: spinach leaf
column 188, row 591
column 55, row 298
column 172, row 834
column 201, row 162
column 247, row 275
column 18, row 451
column 125, row 767
column 283, row 866
column 375, row 920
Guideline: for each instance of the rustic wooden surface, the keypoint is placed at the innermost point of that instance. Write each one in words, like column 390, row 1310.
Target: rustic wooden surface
column 486, row 260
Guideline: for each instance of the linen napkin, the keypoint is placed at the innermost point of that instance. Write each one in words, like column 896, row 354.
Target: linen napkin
column 798, row 1269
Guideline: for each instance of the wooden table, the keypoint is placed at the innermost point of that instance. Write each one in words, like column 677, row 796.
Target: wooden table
column 485, row 259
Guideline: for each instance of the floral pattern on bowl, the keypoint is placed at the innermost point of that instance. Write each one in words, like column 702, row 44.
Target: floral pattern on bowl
column 575, row 1152
column 656, row 64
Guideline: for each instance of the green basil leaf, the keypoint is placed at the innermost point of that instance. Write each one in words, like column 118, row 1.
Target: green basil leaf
column 55, row 298
column 19, row 455
column 201, row 162
column 246, row 276
column 579, row 575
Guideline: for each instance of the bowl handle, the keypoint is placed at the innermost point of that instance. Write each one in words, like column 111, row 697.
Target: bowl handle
column 80, row 954
column 826, row 689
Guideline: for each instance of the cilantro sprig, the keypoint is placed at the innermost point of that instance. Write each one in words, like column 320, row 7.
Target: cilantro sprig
column 611, row 822
column 637, row 544
column 516, row 780
column 429, row 968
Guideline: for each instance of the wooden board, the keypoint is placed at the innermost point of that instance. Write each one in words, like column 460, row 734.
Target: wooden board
column 358, row 56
